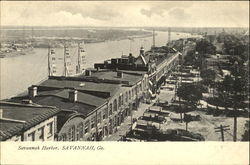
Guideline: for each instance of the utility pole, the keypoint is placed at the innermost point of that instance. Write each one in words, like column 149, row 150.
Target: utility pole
column 221, row 129
column 180, row 70
column 235, row 128
column 186, row 125
column 235, row 109
column 131, row 111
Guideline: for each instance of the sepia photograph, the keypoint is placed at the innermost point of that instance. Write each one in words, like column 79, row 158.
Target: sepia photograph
column 124, row 71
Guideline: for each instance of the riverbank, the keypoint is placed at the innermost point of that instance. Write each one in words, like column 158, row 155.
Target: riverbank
column 16, row 53
column 71, row 43
column 32, row 68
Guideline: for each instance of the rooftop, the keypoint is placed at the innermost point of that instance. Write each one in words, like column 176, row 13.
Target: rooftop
column 85, row 103
column 131, row 77
column 17, row 117
column 60, row 83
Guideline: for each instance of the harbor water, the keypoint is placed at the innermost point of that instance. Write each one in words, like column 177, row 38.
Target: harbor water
column 20, row 72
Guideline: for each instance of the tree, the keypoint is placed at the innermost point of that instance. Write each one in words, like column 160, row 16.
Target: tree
column 190, row 58
column 208, row 75
column 205, row 47
column 239, row 85
column 190, row 92
column 227, row 84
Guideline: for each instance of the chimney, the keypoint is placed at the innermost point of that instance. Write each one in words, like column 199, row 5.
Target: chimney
column 120, row 74
column 142, row 51
column 32, row 91
column 73, row 96
column 1, row 113
column 88, row 73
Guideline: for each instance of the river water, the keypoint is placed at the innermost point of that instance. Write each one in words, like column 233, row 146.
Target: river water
column 20, row 72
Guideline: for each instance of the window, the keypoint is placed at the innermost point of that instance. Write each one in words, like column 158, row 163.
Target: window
column 99, row 117
column 115, row 105
column 129, row 95
column 79, row 131
column 93, row 122
column 72, row 133
column 110, row 109
column 86, row 129
column 126, row 97
column 50, row 128
column 105, row 113
column 32, row 136
column 120, row 101
column 41, row 136
column 64, row 137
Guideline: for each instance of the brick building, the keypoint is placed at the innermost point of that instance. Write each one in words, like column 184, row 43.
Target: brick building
column 93, row 105
column 27, row 122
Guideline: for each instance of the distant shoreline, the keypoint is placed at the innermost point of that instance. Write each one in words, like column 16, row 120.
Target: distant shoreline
column 16, row 53
column 29, row 50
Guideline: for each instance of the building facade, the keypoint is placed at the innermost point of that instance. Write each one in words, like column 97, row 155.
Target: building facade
column 94, row 105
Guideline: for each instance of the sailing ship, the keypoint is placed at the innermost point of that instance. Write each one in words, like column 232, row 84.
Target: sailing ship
column 67, row 68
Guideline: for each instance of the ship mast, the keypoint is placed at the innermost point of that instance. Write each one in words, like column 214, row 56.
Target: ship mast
column 32, row 36
column 49, row 69
column 153, row 38
column 79, row 60
column 65, row 65
column 169, row 35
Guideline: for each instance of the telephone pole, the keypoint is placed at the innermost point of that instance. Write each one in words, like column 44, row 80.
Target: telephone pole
column 221, row 129
column 235, row 129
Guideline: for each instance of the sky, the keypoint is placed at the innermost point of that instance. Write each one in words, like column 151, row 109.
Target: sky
column 122, row 13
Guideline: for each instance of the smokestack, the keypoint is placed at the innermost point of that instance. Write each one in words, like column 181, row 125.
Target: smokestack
column 32, row 91
column 88, row 73
column 73, row 96
column 120, row 74
column 142, row 51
